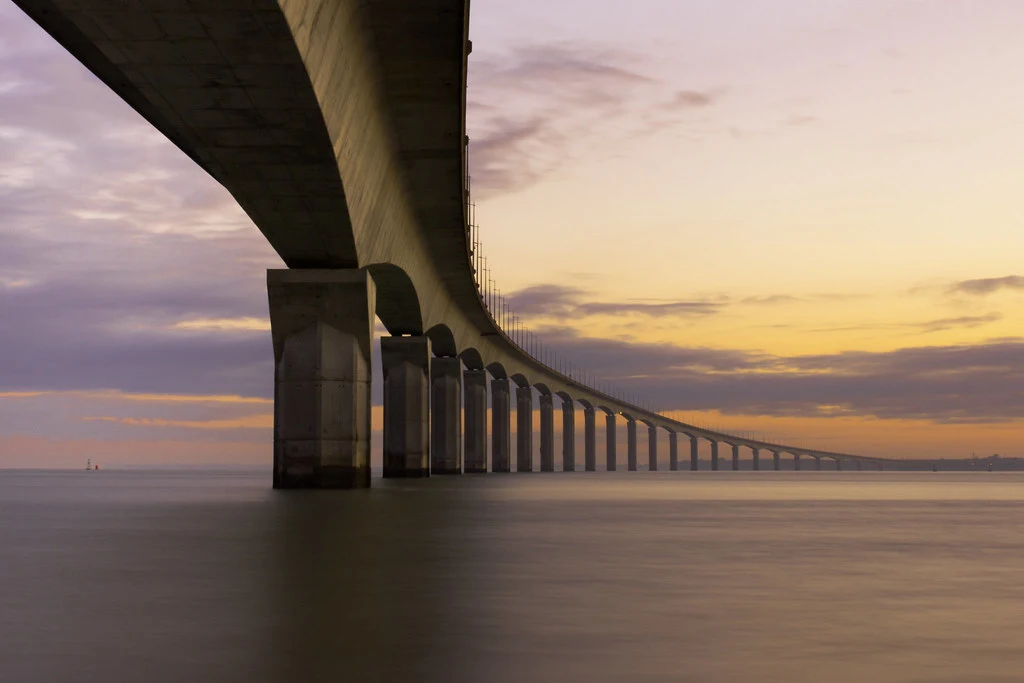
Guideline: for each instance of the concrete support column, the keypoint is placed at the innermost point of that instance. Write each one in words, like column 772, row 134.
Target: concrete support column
column 796, row 462
column 474, row 385
column 610, row 442
column 776, row 461
column 446, row 416
column 652, row 448
column 524, row 429
column 694, row 454
column 673, row 452
column 860, row 465
column 322, row 328
column 817, row 463
column 881, row 467
column 501, row 426
column 406, row 364
column 589, row 439
column 547, row 433
column 631, row 445
column 735, row 457
column 757, row 459
column 568, row 436
column 714, row 456
column 839, row 464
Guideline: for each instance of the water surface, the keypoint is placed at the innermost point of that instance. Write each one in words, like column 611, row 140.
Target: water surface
column 839, row 577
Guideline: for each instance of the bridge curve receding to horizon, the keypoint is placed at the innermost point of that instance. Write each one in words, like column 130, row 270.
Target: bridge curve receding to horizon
column 339, row 126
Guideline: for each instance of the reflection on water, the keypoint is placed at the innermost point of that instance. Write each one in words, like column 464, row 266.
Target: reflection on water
column 839, row 577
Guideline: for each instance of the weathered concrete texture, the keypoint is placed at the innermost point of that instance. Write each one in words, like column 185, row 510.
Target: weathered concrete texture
column 524, row 429
column 474, row 384
column 589, row 439
column 735, row 457
column 501, row 426
column 673, row 452
column 652, row 448
column 776, row 461
column 631, row 445
column 406, row 365
column 694, row 454
column 610, row 442
column 547, row 433
column 322, row 327
column 796, row 462
column 446, row 416
column 568, row 436
column 714, row 456
column 757, row 459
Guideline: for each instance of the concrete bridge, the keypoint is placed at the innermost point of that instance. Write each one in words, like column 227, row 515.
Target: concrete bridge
column 339, row 126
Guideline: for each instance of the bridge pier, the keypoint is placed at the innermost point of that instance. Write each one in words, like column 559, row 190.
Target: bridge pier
column 589, row 439
column 322, row 329
column 694, row 454
column 406, row 365
column 714, row 456
column 776, row 461
column 796, row 462
column 652, row 448
column 568, row 436
column 446, row 415
column 524, row 429
column 631, row 445
column 610, row 442
column 839, row 464
column 673, row 452
column 860, row 465
column 735, row 457
column 817, row 463
column 501, row 426
column 757, row 459
column 547, row 433
column 474, row 387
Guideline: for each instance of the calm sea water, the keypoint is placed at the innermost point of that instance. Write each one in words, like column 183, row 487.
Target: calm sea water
column 732, row 577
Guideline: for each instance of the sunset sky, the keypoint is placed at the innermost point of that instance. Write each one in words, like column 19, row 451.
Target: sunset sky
column 797, row 218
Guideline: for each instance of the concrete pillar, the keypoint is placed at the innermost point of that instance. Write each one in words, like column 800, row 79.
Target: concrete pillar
column 860, row 465
column 839, row 464
column 631, row 445
column 796, row 462
column 524, row 429
column 817, row 463
column 694, row 454
column 881, row 467
column 652, row 448
column 474, row 386
column 776, row 461
column 446, row 416
column 501, row 426
column 547, row 433
column 568, row 436
column 589, row 439
column 322, row 329
column 757, row 459
column 735, row 457
column 673, row 452
column 610, row 442
column 714, row 456
column 406, row 364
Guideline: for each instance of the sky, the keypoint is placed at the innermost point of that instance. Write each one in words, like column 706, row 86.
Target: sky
column 790, row 218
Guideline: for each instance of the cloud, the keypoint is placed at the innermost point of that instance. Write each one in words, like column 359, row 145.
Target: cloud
column 985, row 286
column 947, row 384
column 965, row 321
column 564, row 301
column 693, row 99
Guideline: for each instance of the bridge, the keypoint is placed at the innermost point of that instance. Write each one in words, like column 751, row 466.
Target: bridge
column 339, row 126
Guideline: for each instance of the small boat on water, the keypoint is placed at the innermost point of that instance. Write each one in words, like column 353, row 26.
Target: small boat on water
column 89, row 467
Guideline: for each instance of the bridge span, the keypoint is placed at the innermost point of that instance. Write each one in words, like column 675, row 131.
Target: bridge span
column 339, row 126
